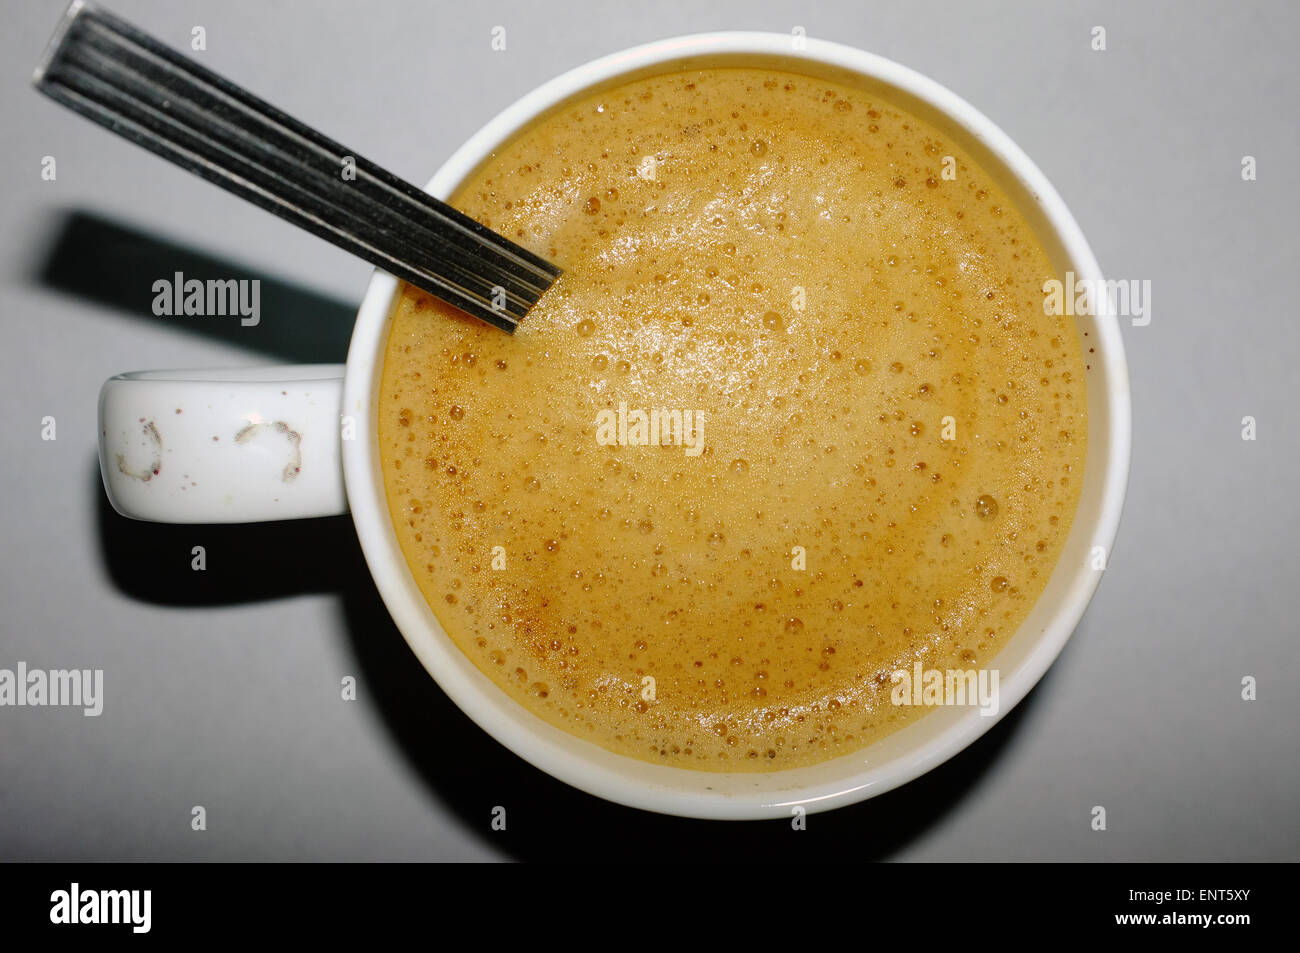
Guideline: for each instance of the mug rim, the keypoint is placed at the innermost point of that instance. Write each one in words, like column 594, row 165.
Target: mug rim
column 493, row 709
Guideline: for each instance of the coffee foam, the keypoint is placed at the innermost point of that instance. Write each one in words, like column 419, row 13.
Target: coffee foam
column 824, row 426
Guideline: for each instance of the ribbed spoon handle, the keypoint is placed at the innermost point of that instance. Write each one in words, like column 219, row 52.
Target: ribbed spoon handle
column 109, row 71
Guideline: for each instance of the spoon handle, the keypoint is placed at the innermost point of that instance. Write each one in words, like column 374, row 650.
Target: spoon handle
column 107, row 70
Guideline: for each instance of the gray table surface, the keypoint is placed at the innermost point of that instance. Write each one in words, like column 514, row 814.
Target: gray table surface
column 222, row 687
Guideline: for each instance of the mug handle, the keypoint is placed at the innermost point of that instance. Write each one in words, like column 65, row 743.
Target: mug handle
column 225, row 446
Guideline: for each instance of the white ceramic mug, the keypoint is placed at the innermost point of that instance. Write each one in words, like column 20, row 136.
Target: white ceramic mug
column 283, row 442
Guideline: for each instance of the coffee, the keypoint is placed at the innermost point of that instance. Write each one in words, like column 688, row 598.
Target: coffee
column 792, row 420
